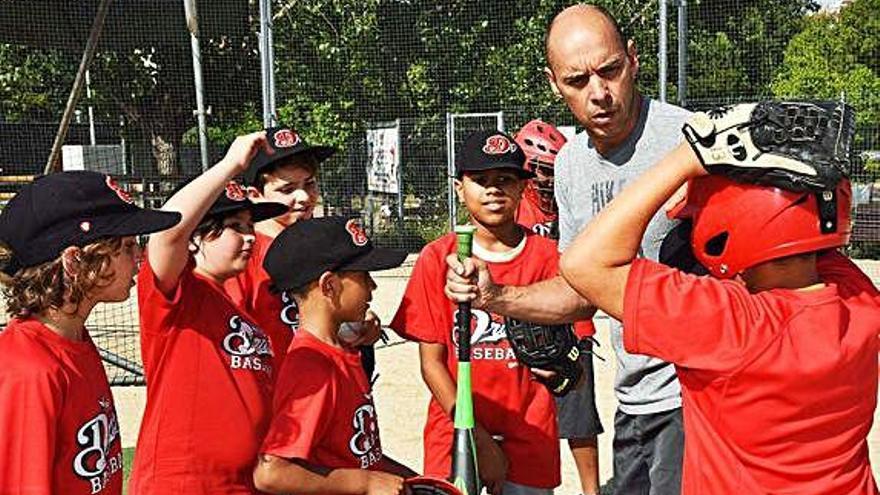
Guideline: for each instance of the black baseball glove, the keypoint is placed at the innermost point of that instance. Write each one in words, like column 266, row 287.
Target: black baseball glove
column 792, row 145
column 548, row 347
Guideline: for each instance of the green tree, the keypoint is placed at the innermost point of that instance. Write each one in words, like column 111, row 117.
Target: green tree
column 735, row 48
column 836, row 54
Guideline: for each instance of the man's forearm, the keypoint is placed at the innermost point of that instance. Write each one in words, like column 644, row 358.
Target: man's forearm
column 549, row 302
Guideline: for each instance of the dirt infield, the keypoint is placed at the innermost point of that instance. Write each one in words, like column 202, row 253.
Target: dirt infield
column 401, row 396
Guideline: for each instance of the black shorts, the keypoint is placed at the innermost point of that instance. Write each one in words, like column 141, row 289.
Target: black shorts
column 576, row 412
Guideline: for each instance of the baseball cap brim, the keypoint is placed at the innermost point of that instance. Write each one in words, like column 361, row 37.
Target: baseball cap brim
column 512, row 166
column 141, row 222
column 376, row 259
column 259, row 211
column 321, row 153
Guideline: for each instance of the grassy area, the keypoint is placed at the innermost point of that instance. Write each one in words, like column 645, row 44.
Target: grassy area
column 127, row 458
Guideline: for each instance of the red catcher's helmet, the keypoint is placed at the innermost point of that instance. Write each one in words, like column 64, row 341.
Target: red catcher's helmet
column 541, row 143
column 736, row 226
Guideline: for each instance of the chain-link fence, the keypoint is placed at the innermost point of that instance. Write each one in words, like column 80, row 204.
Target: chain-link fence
column 396, row 83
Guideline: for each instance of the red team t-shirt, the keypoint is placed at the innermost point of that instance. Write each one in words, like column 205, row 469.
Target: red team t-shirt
column 208, row 368
column 507, row 401
column 323, row 410
column 779, row 387
column 276, row 313
column 530, row 216
column 60, row 433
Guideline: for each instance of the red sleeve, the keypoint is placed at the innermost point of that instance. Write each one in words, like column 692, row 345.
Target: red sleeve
column 422, row 315
column 695, row 322
column 836, row 268
column 32, row 408
column 158, row 312
column 305, row 397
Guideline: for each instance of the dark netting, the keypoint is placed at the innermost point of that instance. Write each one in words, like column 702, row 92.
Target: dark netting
column 395, row 85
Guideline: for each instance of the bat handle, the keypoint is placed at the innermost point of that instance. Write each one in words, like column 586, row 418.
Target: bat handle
column 463, row 327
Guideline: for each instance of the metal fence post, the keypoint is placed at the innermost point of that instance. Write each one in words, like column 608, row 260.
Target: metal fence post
column 682, row 52
column 661, row 55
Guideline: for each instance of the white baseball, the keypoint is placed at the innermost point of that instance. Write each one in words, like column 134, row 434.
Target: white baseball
column 350, row 331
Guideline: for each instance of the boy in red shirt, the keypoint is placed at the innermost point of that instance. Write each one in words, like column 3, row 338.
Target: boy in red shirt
column 324, row 436
column 777, row 351
column 576, row 412
column 68, row 243
column 288, row 175
column 537, row 211
column 516, row 433
column 207, row 363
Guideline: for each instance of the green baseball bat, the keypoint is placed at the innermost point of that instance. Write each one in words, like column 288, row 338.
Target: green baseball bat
column 465, row 473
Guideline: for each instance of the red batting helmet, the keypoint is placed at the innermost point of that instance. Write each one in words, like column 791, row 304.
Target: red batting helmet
column 423, row 485
column 736, row 226
column 541, row 143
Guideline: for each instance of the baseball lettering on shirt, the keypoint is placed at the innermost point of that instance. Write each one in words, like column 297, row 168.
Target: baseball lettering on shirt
column 289, row 311
column 543, row 229
column 602, row 194
column 247, row 346
column 488, row 337
column 94, row 461
column 364, row 443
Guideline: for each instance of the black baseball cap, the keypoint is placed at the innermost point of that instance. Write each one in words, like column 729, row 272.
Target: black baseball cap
column 285, row 142
column 67, row 209
column 234, row 199
column 488, row 150
column 308, row 248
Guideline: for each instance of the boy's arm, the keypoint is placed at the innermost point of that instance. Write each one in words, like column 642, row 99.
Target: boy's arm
column 278, row 475
column 433, row 363
column 491, row 459
column 167, row 251
column 598, row 262
column 389, row 465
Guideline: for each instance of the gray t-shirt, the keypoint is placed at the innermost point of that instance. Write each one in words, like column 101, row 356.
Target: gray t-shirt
column 586, row 182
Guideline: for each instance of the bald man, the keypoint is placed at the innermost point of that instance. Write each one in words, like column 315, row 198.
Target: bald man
column 593, row 67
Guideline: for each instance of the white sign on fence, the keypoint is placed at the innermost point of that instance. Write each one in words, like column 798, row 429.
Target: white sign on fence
column 383, row 159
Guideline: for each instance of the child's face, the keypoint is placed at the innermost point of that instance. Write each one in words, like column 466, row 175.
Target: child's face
column 227, row 255
column 355, row 296
column 122, row 270
column 294, row 185
column 491, row 196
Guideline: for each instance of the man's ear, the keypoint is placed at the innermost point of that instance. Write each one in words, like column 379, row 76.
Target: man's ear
column 633, row 53
column 551, row 79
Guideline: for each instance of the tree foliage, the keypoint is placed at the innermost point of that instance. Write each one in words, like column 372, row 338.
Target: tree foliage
column 834, row 56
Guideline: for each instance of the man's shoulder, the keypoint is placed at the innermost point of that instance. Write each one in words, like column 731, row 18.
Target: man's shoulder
column 659, row 110
column 578, row 148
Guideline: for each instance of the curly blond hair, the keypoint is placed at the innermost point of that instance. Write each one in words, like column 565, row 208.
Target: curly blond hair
column 35, row 289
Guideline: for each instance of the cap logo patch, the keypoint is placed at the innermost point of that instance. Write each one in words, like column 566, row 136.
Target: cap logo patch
column 122, row 193
column 285, row 138
column 85, row 226
column 235, row 191
column 358, row 234
column 498, row 145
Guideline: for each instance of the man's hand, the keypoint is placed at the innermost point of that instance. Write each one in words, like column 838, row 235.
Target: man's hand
column 491, row 460
column 470, row 281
